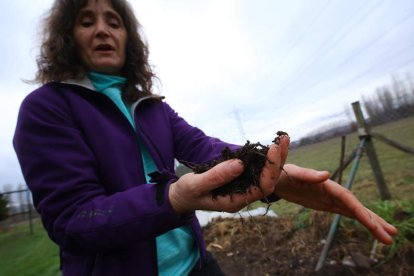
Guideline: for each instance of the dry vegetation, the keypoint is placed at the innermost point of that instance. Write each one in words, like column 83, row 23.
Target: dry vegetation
column 284, row 246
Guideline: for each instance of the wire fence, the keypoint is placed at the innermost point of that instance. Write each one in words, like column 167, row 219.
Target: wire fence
column 19, row 213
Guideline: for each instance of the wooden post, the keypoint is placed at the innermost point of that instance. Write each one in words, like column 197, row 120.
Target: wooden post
column 29, row 205
column 364, row 132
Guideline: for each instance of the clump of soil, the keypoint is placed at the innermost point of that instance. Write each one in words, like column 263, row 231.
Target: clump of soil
column 253, row 156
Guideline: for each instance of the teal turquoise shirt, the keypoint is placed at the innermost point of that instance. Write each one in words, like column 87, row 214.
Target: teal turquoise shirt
column 176, row 249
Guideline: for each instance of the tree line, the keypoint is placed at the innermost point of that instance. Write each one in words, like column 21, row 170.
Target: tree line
column 388, row 103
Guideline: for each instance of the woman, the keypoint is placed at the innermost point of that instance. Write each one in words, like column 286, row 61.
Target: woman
column 93, row 138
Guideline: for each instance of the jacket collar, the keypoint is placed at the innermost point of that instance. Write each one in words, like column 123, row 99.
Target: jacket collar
column 86, row 83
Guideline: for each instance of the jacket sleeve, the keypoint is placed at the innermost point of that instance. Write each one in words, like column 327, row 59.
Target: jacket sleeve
column 60, row 170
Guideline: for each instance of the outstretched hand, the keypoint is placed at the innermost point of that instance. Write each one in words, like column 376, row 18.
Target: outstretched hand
column 313, row 189
column 193, row 191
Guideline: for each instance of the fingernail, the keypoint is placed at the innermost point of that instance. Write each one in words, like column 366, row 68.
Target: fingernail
column 321, row 173
column 236, row 164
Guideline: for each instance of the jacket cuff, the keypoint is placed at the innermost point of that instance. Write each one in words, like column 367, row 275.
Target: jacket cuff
column 163, row 181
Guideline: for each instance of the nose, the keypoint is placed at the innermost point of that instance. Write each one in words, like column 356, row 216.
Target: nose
column 102, row 29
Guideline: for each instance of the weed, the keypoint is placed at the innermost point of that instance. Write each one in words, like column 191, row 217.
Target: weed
column 401, row 215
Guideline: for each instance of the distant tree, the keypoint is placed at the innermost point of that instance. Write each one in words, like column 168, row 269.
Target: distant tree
column 391, row 102
column 4, row 210
column 372, row 106
column 386, row 100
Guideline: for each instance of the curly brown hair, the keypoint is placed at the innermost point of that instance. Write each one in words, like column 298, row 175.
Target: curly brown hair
column 58, row 59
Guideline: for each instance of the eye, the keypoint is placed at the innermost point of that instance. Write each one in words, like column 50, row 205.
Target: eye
column 86, row 21
column 86, row 24
column 114, row 23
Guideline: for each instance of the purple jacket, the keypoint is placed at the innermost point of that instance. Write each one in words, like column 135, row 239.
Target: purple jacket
column 80, row 158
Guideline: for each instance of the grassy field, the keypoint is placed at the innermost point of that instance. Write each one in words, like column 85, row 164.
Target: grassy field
column 25, row 254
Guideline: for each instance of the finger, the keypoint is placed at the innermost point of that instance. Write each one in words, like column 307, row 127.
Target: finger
column 382, row 230
column 219, row 175
column 271, row 170
column 389, row 228
column 353, row 208
column 344, row 200
column 284, row 141
column 307, row 175
column 233, row 203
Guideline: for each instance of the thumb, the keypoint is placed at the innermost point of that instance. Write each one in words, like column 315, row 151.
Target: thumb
column 221, row 174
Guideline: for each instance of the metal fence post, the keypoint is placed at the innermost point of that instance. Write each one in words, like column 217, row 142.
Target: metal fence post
column 337, row 218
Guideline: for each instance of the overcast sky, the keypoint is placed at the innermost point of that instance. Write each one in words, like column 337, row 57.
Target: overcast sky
column 238, row 69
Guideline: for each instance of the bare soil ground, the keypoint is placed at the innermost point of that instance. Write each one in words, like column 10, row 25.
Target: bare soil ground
column 278, row 246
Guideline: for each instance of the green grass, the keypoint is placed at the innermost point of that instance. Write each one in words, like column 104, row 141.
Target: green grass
column 22, row 253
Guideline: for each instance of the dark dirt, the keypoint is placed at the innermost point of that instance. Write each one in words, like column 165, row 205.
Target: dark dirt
column 253, row 156
column 278, row 246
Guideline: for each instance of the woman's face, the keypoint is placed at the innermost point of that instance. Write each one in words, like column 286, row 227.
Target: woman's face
column 100, row 37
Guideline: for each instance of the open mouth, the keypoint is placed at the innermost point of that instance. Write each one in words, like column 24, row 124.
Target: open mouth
column 104, row 47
